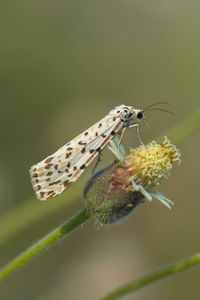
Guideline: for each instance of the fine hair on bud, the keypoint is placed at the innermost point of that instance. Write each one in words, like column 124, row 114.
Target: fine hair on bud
column 109, row 196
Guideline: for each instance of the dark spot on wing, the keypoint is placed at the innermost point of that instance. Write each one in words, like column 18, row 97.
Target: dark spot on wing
column 68, row 154
column 42, row 194
column 100, row 124
column 55, row 182
column 56, row 167
column 69, row 148
column 48, row 166
column 49, row 173
column 82, row 143
column 92, row 150
column 35, row 175
column 49, row 159
column 66, row 183
column 68, row 165
column 83, row 167
column 103, row 135
column 50, row 192
column 83, row 150
column 51, row 196
column 86, row 133
column 38, row 187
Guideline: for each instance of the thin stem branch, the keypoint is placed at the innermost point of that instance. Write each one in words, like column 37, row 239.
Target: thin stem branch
column 32, row 211
column 45, row 243
column 146, row 280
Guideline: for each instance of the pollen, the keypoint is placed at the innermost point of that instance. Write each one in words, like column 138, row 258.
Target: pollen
column 151, row 164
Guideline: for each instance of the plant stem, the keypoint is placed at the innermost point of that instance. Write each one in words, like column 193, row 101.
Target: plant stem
column 49, row 240
column 32, row 211
column 144, row 281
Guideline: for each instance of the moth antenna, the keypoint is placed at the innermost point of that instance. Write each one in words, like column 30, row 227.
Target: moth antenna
column 157, row 103
column 161, row 109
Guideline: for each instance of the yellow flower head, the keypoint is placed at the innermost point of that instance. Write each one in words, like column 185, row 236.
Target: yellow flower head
column 150, row 164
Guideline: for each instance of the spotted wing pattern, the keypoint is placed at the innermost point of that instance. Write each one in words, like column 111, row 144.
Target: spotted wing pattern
column 58, row 171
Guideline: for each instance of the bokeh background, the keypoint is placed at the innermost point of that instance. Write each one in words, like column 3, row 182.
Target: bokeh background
column 63, row 66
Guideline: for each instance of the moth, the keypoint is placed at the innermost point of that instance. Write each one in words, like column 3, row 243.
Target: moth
column 57, row 172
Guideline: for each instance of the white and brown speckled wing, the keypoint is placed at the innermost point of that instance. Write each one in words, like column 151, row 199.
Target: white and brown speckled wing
column 57, row 172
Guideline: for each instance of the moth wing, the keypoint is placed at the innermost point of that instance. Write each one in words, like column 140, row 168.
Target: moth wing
column 57, row 172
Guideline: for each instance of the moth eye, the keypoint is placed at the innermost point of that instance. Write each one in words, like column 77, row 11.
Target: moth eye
column 140, row 115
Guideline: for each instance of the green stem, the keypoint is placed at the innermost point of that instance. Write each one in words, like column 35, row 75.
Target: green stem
column 49, row 240
column 144, row 281
column 33, row 211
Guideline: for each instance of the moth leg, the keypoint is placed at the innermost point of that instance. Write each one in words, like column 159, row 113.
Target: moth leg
column 97, row 162
column 138, row 132
column 120, row 139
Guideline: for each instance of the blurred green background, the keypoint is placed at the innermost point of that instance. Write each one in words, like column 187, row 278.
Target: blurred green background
column 63, row 66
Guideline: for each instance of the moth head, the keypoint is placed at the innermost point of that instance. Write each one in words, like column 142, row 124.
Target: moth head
column 139, row 113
